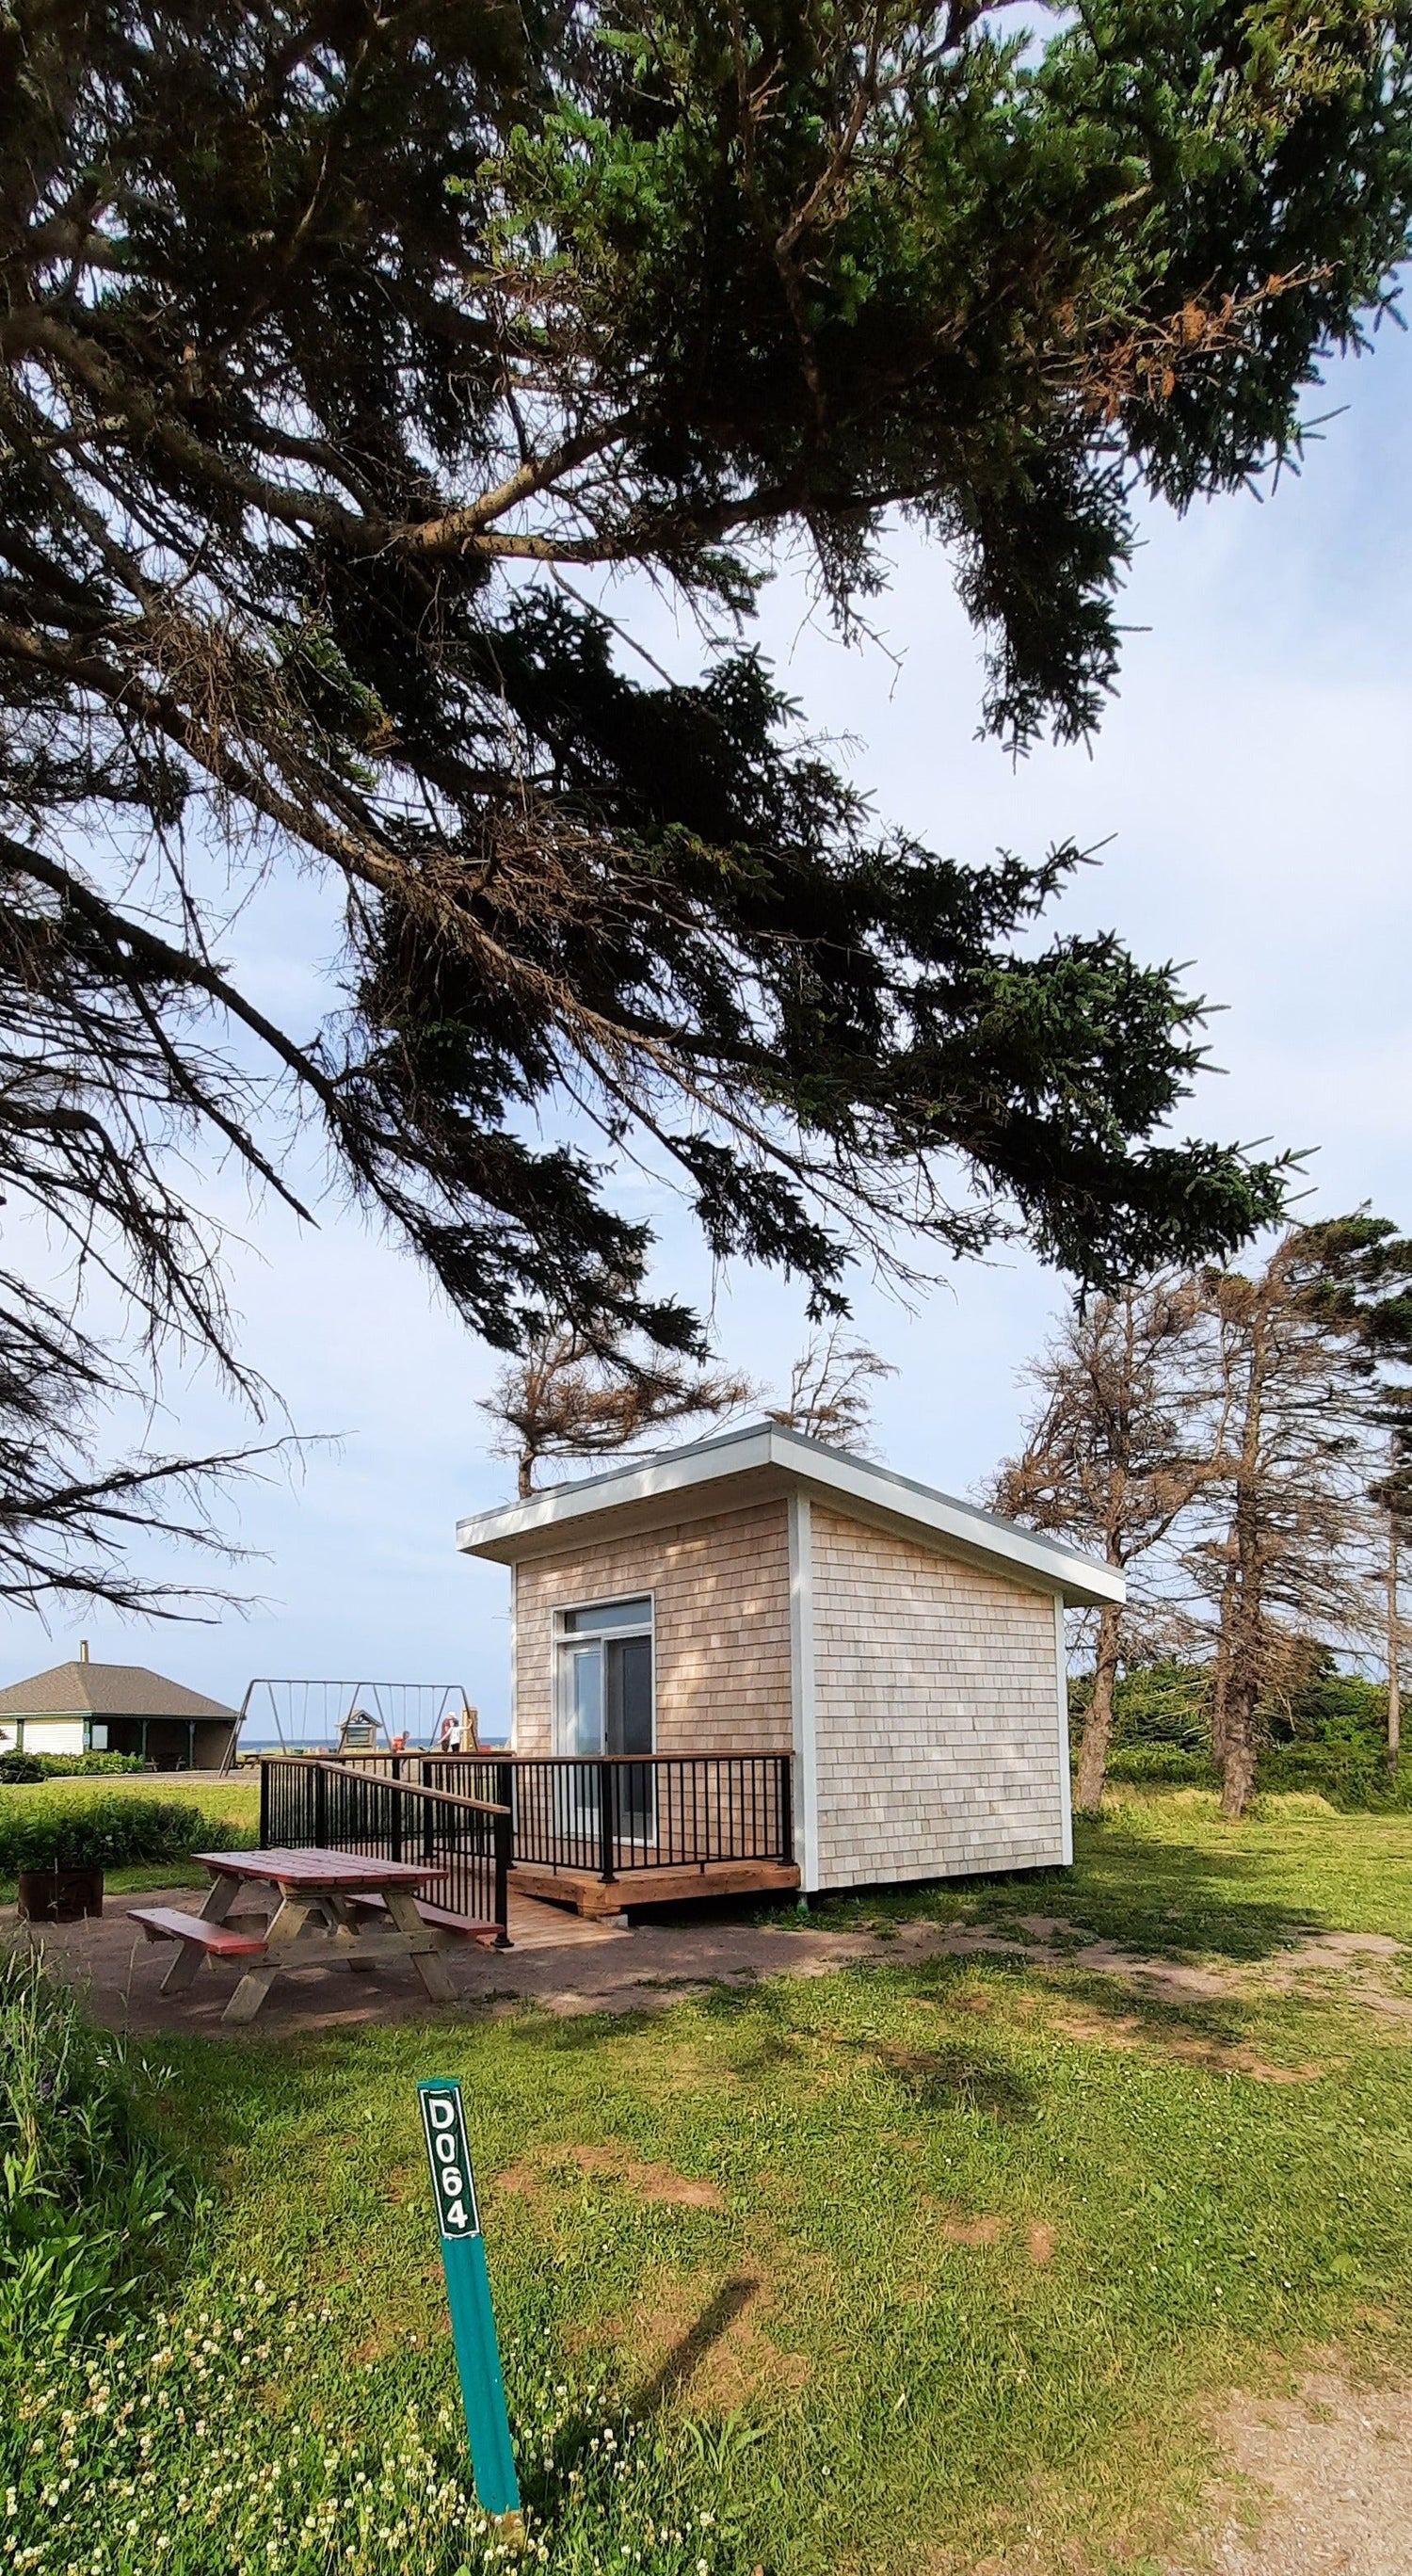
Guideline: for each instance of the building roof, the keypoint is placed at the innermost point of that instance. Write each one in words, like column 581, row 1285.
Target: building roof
column 106, row 1690
column 761, row 1462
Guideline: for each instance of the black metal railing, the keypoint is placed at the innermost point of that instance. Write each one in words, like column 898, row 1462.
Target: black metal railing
column 619, row 1814
column 308, row 1803
column 612, row 1815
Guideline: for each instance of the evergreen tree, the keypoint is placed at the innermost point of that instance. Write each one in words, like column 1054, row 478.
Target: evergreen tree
column 1113, row 1457
column 831, row 1387
column 337, row 346
column 571, row 1394
column 1391, row 1493
column 1299, row 1351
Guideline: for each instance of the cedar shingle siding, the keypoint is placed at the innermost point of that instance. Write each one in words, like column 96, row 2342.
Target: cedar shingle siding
column 936, row 1713
column 722, row 1629
column 906, row 1648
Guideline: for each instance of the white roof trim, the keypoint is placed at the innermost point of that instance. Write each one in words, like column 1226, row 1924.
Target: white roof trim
column 762, row 1446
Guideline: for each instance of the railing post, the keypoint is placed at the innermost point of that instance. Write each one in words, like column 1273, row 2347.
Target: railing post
column 320, row 1807
column 264, row 1804
column 503, row 1837
column 606, row 1841
column 786, row 1807
column 504, row 1795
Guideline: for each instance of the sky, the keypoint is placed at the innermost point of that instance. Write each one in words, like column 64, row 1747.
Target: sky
column 1250, row 784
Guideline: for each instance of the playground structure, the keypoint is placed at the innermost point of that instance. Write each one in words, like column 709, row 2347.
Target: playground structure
column 346, row 1719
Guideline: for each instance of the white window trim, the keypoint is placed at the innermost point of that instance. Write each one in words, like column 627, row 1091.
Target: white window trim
column 1066, row 1789
column 557, row 1640
column 607, row 1601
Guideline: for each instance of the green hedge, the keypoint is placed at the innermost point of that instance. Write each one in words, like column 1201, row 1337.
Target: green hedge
column 1354, row 1777
column 1157, row 1762
column 16, row 1768
column 39, row 1832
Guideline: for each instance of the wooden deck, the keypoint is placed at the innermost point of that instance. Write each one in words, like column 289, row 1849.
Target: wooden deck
column 584, row 1892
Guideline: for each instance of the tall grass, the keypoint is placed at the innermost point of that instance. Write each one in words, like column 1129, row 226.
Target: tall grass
column 152, row 2423
column 88, row 2202
column 41, row 1829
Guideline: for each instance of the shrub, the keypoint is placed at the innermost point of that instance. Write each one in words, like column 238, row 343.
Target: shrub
column 1166, row 1703
column 103, row 1833
column 1158, row 1762
column 85, row 2193
column 75, row 1766
column 1331, row 1707
column 1350, row 1774
column 22, row 1768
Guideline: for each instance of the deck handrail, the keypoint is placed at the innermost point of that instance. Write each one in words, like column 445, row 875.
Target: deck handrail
column 626, row 1815
column 389, row 1780
column 309, row 1801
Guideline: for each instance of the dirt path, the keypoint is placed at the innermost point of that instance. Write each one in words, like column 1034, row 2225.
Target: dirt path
column 1325, row 2476
column 572, row 1968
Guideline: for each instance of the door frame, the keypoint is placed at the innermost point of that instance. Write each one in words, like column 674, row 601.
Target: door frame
column 586, row 1798
column 557, row 1661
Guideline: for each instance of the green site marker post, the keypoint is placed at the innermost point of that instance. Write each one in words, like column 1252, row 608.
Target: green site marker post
column 468, row 2289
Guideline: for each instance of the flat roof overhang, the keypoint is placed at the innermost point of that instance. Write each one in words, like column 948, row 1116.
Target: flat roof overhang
column 764, row 1463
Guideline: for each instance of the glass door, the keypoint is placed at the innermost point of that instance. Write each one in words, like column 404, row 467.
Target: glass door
column 603, row 1704
column 627, row 1674
column 581, row 1683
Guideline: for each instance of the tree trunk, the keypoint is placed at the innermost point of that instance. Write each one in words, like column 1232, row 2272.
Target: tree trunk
column 1242, row 1601
column 1240, row 1702
column 1220, row 1692
column 1394, row 1643
column 1238, row 1759
column 1098, row 1725
column 526, row 1474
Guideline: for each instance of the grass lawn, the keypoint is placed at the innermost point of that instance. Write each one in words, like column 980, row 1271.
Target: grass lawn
column 912, row 2266
column 1163, row 1871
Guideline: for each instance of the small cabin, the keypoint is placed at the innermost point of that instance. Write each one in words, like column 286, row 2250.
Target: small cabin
column 759, row 1653
column 85, row 1707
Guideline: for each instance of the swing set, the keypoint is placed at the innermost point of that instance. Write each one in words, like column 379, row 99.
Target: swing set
column 342, row 1718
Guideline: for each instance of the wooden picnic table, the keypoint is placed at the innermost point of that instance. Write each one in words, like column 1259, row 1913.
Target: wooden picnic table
column 332, row 1905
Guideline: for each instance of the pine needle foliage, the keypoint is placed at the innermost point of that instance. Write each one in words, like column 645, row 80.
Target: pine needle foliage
column 341, row 346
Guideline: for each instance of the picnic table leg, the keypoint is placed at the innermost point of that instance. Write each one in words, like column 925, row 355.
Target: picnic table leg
column 220, row 1897
column 296, row 1911
column 343, row 1919
column 421, row 1942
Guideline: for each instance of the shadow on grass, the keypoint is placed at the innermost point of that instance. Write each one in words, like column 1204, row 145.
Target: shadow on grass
column 687, row 2354
column 1122, row 2012
column 1156, row 1895
column 955, row 2079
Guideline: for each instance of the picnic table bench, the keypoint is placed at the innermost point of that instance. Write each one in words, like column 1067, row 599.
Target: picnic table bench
column 165, row 1923
column 440, row 1918
column 324, row 1912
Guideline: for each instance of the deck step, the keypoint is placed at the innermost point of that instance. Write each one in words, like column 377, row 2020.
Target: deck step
column 590, row 1895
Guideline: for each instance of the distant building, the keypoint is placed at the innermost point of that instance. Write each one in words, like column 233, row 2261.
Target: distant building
column 85, row 1707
